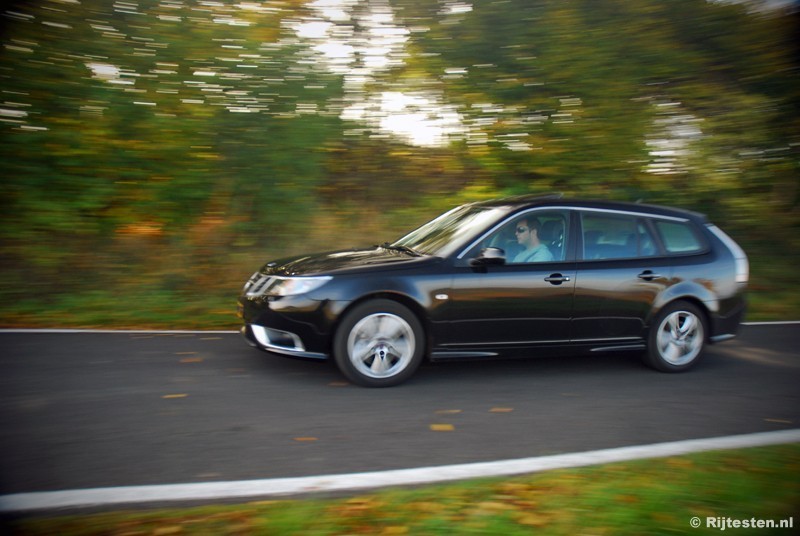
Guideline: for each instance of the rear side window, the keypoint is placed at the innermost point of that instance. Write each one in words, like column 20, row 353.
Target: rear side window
column 615, row 236
column 678, row 237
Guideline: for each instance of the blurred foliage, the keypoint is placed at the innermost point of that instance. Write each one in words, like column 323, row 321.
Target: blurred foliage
column 580, row 95
column 172, row 145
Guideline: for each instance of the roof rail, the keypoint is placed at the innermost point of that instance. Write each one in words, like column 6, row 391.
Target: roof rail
column 534, row 197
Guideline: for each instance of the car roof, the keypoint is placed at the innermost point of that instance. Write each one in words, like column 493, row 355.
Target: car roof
column 534, row 201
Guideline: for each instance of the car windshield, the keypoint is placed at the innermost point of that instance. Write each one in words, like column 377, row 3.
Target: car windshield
column 450, row 231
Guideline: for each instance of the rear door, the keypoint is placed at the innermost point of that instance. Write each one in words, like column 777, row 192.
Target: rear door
column 621, row 272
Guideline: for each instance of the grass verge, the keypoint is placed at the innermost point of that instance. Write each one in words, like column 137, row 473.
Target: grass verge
column 659, row 496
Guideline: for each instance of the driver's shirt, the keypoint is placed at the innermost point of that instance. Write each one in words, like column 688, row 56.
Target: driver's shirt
column 540, row 253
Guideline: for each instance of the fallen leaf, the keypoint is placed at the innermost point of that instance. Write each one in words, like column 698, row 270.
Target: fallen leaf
column 305, row 439
column 501, row 410
column 448, row 411
column 179, row 395
column 192, row 360
column 442, row 427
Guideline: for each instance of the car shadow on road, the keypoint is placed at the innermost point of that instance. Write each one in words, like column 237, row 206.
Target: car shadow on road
column 728, row 358
column 469, row 371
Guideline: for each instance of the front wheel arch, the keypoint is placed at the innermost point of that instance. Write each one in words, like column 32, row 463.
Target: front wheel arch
column 403, row 299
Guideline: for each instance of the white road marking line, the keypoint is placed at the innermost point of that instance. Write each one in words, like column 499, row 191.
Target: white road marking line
column 84, row 498
column 773, row 323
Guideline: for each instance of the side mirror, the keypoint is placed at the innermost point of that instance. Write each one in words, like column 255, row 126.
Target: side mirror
column 489, row 257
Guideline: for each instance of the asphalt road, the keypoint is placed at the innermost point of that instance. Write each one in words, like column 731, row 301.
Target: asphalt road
column 84, row 410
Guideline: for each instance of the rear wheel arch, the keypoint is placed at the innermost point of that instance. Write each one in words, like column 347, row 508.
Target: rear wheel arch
column 690, row 291
column 694, row 300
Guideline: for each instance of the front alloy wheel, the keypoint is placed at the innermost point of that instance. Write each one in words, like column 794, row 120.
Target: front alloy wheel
column 677, row 339
column 379, row 343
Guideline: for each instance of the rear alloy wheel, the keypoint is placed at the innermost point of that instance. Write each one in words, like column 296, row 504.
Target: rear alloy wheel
column 677, row 339
column 380, row 343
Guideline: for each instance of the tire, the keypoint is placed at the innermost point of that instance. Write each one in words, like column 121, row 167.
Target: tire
column 677, row 338
column 380, row 343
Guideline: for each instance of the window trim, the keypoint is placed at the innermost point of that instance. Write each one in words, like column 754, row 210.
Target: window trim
column 649, row 215
column 575, row 235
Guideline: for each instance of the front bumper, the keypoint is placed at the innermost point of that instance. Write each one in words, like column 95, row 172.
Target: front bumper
column 296, row 326
column 278, row 341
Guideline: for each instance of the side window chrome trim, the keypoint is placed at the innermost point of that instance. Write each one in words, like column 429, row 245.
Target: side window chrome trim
column 650, row 215
column 570, row 209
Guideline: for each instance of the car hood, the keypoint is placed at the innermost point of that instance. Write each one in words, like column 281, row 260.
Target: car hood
column 349, row 261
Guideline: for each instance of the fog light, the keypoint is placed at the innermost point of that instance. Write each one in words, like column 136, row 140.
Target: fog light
column 269, row 337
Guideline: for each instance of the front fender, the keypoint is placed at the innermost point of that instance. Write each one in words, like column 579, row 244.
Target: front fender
column 424, row 295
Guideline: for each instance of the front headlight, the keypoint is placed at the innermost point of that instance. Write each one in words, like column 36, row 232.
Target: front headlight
column 291, row 286
column 263, row 285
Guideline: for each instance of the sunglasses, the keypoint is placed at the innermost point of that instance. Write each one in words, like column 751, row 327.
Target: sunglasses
column 522, row 230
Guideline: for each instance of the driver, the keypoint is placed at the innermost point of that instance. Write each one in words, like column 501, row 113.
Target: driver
column 527, row 233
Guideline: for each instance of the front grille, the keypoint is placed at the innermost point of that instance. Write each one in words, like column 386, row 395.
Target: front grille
column 259, row 284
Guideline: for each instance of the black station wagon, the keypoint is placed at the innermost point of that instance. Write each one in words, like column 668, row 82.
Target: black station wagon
column 511, row 277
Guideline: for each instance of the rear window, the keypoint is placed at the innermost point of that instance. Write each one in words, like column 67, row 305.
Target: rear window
column 679, row 237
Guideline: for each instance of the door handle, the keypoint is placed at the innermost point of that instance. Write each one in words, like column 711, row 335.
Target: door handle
column 649, row 275
column 556, row 279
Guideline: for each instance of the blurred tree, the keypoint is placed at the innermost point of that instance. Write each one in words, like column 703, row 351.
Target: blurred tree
column 140, row 117
column 166, row 133
column 671, row 101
